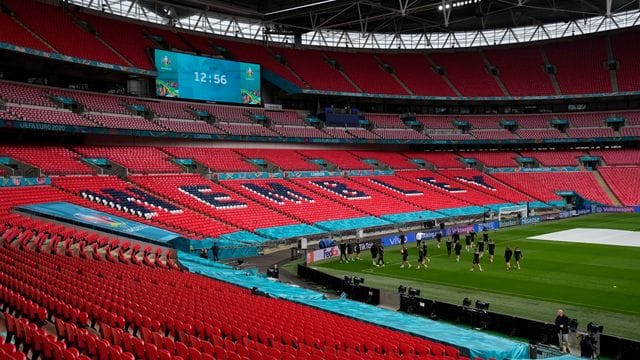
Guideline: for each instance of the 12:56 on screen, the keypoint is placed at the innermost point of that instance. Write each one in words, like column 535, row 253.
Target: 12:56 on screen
column 207, row 78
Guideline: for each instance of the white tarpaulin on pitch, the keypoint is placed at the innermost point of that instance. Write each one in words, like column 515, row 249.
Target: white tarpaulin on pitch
column 594, row 236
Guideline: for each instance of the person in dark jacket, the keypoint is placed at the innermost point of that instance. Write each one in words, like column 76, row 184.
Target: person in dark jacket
column 508, row 253
column 374, row 253
column 562, row 327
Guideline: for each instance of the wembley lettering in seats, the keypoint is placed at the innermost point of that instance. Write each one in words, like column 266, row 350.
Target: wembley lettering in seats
column 203, row 193
column 441, row 185
column 277, row 193
column 397, row 189
column 341, row 189
column 131, row 200
column 476, row 180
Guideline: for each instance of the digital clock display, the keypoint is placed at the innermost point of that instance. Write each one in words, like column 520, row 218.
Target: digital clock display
column 203, row 78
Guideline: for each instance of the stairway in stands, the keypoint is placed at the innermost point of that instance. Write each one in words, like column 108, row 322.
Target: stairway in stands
column 603, row 184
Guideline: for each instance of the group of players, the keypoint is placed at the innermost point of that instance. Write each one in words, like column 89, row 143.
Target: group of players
column 351, row 252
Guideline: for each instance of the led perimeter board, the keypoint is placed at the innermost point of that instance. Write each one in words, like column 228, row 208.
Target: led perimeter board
column 194, row 77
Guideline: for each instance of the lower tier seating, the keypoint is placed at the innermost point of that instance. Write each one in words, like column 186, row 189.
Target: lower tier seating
column 544, row 185
column 623, row 182
column 205, row 196
column 118, row 194
column 160, row 319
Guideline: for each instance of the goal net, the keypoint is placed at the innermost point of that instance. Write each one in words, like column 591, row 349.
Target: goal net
column 511, row 212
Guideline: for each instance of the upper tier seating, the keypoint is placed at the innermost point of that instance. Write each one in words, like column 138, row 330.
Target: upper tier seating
column 584, row 119
column 284, row 159
column 439, row 159
column 235, row 114
column 544, row 185
column 124, row 122
column 338, row 132
column 451, row 136
column 628, row 75
column 493, row 158
column 521, row 70
column 436, row 121
column 158, row 211
column 229, row 323
column 300, row 131
column 137, row 159
column 292, row 199
column 189, row 126
column 210, row 198
column 362, row 133
column 246, row 129
column 533, row 121
column 220, row 160
column 13, row 33
column 315, row 70
column 555, row 157
column 460, row 67
column 400, row 134
column 365, row 70
column 590, row 132
column 286, row 117
column 630, row 131
column 580, row 65
column 388, row 121
column 96, row 102
column 498, row 134
column 355, row 195
column 51, row 160
column 344, row 160
column 60, row 29
column 393, row 159
column 24, row 94
column 133, row 46
column 539, row 134
column 623, row 182
column 171, row 38
column 482, row 121
column 415, row 72
column 618, row 156
column 49, row 116
column 170, row 109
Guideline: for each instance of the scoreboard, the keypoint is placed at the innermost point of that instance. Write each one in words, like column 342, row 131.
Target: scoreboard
column 194, row 77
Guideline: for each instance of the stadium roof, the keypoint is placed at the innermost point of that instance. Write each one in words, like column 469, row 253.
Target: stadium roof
column 410, row 16
column 383, row 24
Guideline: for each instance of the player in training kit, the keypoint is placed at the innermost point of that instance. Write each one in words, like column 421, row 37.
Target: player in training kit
column 492, row 249
column 476, row 261
column 421, row 258
column 481, row 246
column 507, row 257
column 467, row 242
column 449, row 244
column 374, row 253
column 405, row 257
column 439, row 238
column 457, row 247
column 380, row 255
column 517, row 254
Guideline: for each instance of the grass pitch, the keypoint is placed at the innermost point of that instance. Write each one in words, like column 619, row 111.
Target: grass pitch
column 599, row 283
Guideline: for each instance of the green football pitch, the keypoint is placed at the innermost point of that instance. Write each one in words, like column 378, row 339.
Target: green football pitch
column 591, row 282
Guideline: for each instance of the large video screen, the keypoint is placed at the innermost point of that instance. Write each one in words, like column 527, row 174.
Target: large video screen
column 202, row 78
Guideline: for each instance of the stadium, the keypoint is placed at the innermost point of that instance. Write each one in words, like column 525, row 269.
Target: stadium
column 319, row 179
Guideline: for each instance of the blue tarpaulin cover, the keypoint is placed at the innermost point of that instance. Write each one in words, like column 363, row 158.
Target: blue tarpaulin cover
column 475, row 343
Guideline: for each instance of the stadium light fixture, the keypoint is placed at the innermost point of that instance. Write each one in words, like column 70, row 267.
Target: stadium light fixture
column 300, row 7
column 457, row 4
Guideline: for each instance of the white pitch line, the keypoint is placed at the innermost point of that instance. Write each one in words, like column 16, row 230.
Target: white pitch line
column 594, row 236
